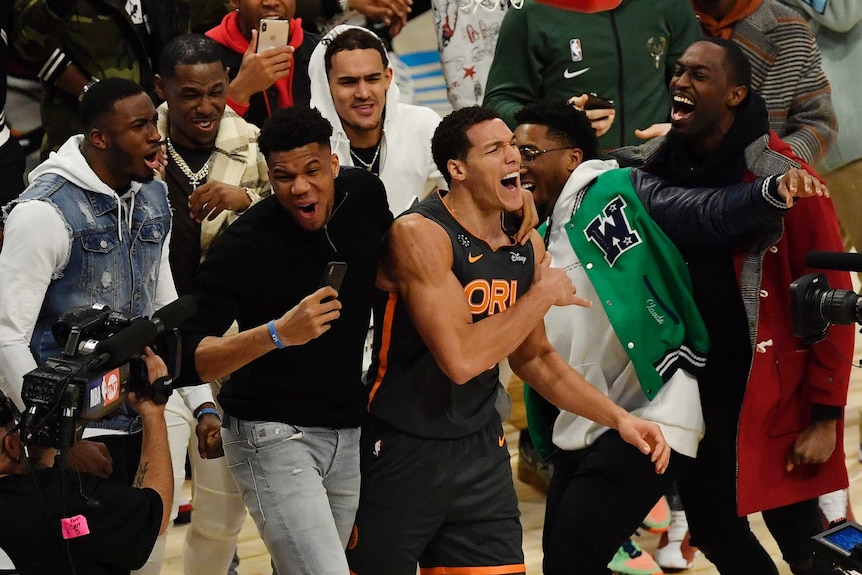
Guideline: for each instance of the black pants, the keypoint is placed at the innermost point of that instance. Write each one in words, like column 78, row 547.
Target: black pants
column 708, row 490
column 597, row 498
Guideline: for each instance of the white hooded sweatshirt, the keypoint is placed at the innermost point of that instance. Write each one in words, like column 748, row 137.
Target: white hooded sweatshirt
column 37, row 250
column 406, row 166
column 584, row 337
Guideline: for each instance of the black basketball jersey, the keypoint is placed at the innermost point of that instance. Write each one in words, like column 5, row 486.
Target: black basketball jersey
column 409, row 391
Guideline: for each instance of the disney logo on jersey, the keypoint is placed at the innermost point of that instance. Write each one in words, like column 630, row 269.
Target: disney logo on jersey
column 519, row 258
column 612, row 232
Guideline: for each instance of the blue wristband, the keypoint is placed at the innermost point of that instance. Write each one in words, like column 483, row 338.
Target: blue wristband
column 206, row 410
column 274, row 335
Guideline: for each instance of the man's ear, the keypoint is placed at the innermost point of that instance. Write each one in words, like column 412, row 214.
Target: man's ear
column 387, row 76
column 574, row 157
column 12, row 447
column 160, row 87
column 336, row 166
column 736, row 96
column 98, row 138
column 456, row 169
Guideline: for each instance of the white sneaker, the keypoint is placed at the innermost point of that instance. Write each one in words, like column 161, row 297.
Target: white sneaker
column 674, row 551
column 833, row 505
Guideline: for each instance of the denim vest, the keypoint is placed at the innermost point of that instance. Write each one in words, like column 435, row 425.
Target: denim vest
column 108, row 262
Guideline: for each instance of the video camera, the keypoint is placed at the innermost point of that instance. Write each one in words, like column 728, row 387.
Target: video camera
column 841, row 546
column 99, row 365
column 814, row 306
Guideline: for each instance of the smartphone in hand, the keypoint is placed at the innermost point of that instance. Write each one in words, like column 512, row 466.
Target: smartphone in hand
column 333, row 275
column 596, row 102
column 272, row 34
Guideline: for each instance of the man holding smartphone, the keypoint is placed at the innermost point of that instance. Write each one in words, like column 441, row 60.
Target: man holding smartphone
column 295, row 398
column 264, row 80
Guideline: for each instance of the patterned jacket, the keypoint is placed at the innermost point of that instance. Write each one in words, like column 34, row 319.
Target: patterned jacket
column 238, row 161
column 99, row 37
column 786, row 71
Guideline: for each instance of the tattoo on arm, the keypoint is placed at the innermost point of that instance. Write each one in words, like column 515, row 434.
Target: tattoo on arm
column 143, row 467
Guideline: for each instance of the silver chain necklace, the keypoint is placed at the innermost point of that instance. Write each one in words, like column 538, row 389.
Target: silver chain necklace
column 195, row 178
column 366, row 165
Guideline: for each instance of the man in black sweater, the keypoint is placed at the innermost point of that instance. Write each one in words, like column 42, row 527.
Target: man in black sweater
column 295, row 399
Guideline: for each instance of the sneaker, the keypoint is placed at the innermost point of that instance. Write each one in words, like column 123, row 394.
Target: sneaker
column 658, row 519
column 834, row 505
column 531, row 469
column 674, row 552
column 184, row 513
column 630, row 559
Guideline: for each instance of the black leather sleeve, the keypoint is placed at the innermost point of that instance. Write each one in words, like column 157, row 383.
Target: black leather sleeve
column 709, row 216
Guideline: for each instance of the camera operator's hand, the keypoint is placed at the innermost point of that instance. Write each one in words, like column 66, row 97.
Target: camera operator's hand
column 813, row 445
column 208, row 431
column 156, row 369
column 797, row 183
column 90, row 457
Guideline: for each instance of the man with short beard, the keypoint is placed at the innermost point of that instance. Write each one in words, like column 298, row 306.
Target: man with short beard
column 295, row 398
column 215, row 171
column 773, row 406
column 93, row 227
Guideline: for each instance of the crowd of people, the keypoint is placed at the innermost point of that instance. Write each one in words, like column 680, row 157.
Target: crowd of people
column 618, row 222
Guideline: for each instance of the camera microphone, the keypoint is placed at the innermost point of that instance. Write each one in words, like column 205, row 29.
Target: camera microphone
column 173, row 314
column 141, row 332
column 834, row 261
column 117, row 349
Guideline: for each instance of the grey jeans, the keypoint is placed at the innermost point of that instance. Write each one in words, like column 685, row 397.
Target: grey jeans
column 301, row 486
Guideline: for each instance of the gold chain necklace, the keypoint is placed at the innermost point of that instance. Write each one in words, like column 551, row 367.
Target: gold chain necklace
column 195, row 178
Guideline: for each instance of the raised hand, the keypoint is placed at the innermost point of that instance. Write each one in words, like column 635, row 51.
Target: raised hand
column 798, row 183
column 259, row 71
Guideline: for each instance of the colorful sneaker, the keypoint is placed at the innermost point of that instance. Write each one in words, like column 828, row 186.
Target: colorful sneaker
column 532, row 470
column 184, row 513
column 674, row 552
column 658, row 519
column 630, row 559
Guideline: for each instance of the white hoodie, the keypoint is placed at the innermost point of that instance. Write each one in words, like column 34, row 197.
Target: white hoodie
column 36, row 250
column 585, row 338
column 407, row 168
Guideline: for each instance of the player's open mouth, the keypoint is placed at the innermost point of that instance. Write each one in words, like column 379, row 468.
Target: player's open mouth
column 529, row 186
column 681, row 108
column 510, row 182
column 307, row 210
column 152, row 160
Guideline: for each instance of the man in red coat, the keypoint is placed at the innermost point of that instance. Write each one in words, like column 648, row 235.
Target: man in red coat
column 773, row 406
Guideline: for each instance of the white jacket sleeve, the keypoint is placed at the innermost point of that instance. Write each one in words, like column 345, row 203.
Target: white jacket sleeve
column 35, row 248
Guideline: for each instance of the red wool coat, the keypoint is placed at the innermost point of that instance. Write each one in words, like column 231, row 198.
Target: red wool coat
column 787, row 377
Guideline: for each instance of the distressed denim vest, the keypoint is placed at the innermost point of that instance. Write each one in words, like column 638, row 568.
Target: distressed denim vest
column 109, row 262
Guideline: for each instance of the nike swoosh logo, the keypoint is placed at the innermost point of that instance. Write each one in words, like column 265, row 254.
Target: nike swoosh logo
column 501, row 440
column 569, row 75
column 473, row 259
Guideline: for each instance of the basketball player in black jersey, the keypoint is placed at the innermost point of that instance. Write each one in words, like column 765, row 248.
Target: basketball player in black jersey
column 462, row 294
